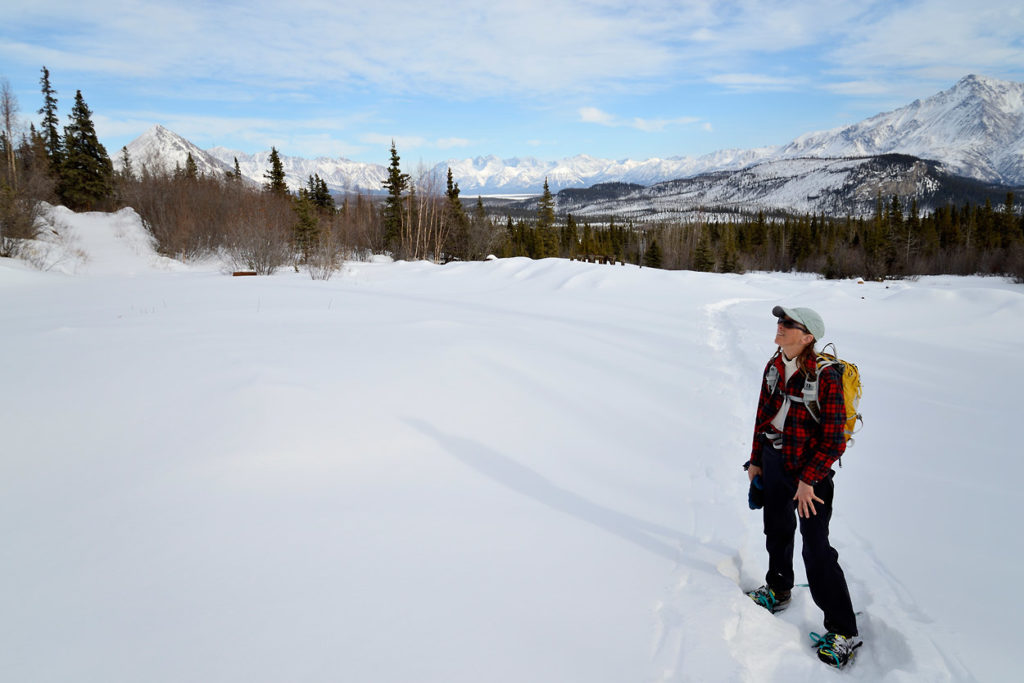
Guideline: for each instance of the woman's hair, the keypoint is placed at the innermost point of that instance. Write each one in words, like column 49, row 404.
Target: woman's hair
column 808, row 360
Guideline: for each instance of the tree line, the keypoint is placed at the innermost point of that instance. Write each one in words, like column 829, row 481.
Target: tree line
column 896, row 241
column 264, row 226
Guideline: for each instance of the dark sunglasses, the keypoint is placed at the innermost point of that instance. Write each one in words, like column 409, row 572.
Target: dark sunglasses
column 793, row 325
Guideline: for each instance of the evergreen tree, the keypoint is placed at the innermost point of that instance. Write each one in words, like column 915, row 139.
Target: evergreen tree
column 568, row 238
column 1007, row 223
column 86, row 172
column 275, row 175
column 547, row 238
column 457, row 245
column 703, row 260
column 319, row 195
column 191, row 169
column 307, row 226
column 801, row 241
column 396, row 184
column 51, row 122
column 652, row 258
column 236, row 175
column 127, row 169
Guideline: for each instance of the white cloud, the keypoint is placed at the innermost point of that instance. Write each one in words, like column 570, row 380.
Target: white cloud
column 860, row 88
column 603, row 118
column 456, row 49
column 450, row 143
column 935, row 40
column 755, row 82
column 405, row 142
column 658, row 125
column 595, row 115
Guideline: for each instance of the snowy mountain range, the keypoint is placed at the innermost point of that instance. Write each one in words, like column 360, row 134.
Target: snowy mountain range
column 974, row 129
column 839, row 186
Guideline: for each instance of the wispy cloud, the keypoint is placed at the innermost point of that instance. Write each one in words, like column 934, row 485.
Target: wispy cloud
column 938, row 40
column 595, row 115
column 407, row 142
column 452, row 143
column 603, row 118
column 401, row 46
column 460, row 50
column 748, row 82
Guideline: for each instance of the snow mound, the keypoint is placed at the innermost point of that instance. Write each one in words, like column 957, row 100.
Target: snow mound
column 96, row 243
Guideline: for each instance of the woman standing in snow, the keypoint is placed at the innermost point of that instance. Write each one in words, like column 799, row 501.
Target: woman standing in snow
column 790, row 473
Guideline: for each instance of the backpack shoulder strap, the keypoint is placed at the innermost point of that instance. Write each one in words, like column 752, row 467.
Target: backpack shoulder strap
column 809, row 395
column 772, row 378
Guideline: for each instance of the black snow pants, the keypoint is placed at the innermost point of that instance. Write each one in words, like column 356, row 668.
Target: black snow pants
column 821, row 561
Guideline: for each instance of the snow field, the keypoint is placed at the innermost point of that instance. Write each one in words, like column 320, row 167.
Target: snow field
column 498, row 471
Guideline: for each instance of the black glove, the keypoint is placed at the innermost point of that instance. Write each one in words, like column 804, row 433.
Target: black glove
column 755, row 497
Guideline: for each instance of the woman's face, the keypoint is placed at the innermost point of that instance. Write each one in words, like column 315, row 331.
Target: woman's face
column 791, row 335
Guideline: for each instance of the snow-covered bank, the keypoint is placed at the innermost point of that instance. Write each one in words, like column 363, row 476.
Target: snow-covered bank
column 499, row 471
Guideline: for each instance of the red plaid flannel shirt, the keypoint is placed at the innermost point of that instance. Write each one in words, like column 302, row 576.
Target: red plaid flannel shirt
column 808, row 447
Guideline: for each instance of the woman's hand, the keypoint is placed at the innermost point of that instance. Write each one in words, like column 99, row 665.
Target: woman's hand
column 753, row 471
column 805, row 499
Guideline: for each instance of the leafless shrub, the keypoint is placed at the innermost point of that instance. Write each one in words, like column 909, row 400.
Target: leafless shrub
column 188, row 217
column 258, row 238
column 325, row 258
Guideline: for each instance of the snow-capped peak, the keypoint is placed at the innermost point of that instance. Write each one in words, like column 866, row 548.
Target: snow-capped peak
column 976, row 128
column 160, row 150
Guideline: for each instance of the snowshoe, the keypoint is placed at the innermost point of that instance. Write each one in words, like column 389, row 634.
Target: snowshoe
column 836, row 650
column 771, row 600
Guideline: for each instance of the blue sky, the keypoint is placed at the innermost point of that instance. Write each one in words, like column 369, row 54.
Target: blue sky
column 541, row 78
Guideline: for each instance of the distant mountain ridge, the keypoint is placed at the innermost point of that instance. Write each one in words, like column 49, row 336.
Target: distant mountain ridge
column 341, row 175
column 837, row 187
column 975, row 129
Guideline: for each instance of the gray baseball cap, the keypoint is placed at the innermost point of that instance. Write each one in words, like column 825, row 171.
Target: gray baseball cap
column 805, row 316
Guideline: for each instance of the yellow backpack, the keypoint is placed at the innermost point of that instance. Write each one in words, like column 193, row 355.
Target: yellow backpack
column 850, row 380
column 851, row 390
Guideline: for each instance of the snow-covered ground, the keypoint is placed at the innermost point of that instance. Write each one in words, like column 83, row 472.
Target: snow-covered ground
column 504, row 471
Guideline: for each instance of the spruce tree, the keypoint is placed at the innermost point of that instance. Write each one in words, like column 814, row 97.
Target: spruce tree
column 703, row 260
column 127, row 170
column 568, row 237
column 652, row 258
column 316, row 189
column 307, row 226
column 396, row 184
column 275, row 175
column 51, row 122
column 457, row 243
column 86, row 172
column 547, row 238
column 191, row 169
